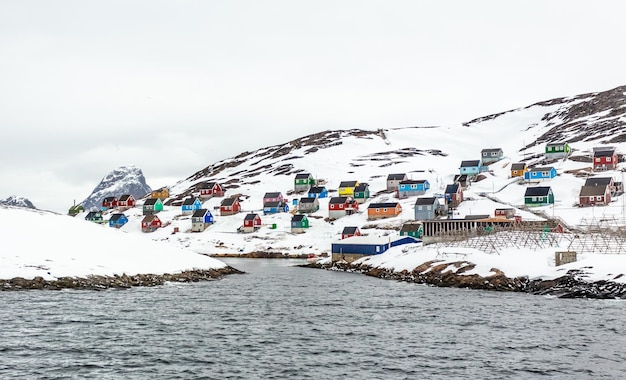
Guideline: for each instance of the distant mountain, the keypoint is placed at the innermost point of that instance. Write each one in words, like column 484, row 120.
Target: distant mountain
column 126, row 179
column 17, row 202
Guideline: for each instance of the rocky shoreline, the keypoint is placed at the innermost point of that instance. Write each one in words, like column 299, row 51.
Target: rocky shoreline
column 96, row 282
column 570, row 285
column 260, row 255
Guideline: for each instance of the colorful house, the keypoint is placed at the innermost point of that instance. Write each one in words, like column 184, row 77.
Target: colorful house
column 162, row 193
column 604, row 181
column 273, row 197
column 557, row 150
column 410, row 187
column 308, row 205
column 470, row 167
column 109, row 203
column 383, row 210
column 318, row 192
column 94, row 216
column 275, row 207
column 491, row 155
column 538, row 196
column 536, row 174
column 341, row 206
column 251, row 223
column 356, row 247
column 190, row 205
column 152, row 206
column 299, row 223
column 230, row 206
column 604, row 158
column 75, row 210
column 350, row 231
column 393, row 180
column 150, row 223
column 426, row 208
column 201, row 219
column 346, row 188
column 518, row 169
column 594, row 195
column 303, row 182
column 210, row 189
column 454, row 194
column 413, row 229
column 362, row 192
column 506, row 213
column 117, row 220
column 126, row 201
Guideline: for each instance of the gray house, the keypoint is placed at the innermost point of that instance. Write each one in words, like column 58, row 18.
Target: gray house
column 308, row 205
column 490, row 156
column 426, row 208
column 393, row 180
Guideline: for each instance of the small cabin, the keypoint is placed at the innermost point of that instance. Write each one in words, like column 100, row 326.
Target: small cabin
column 210, row 189
column 350, row 231
column 413, row 229
column 318, row 192
column 302, row 182
column 614, row 187
column 299, row 223
column 117, row 220
column 346, row 188
column 383, row 210
column 126, row 202
column 557, row 150
column 251, row 222
column 538, row 196
column 162, row 193
column 307, row 205
column 230, row 206
column 491, row 155
column 94, row 216
column 453, row 194
column 342, row 206
column 412, row 187
column 152, row 206
column 275, row 207
column 518, row 169
column 274, row 197
column 150, row 223
column 604, row 158
column 536, row 174
column 594, row 195
column 426, row 208
column 506, row 213
column 361, row 192
column 109, row 203
column 201, row 219
column 470, row 167
column 393, row 180
column 190, row 205
column 75, row 210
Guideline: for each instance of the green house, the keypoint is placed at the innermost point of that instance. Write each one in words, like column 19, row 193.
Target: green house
column 152, row 206
column 94, row 216
column 538, row 196
column 303, row 182
column 413, row 229
column 557, row 150
column 75, row 210
column 299, row 223
column 361, row 192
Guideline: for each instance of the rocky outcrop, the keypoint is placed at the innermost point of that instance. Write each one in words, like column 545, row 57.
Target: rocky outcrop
column 115, row 282
column 571, row 285
column 126, row 179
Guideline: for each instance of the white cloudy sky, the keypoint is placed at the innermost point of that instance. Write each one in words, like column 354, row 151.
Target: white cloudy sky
column 172, row 86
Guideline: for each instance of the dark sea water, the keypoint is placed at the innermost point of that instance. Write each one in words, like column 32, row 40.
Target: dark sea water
column 279, row 321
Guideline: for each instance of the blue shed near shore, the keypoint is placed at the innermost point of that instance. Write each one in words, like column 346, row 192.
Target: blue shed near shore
column 355, row 247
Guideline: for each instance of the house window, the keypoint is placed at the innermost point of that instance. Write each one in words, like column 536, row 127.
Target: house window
column 534, row 199
column 429, row 208
column 384, row 210
column 544, row 174
column 413, row 186
column 377, row 210
column 608, row 159
column 420, row 207
column 340, row 206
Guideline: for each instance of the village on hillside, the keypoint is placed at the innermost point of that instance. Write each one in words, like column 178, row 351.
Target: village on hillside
column 408, row 210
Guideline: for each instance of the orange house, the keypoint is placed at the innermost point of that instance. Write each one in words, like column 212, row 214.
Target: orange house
column 383, row 210
column 518, row 169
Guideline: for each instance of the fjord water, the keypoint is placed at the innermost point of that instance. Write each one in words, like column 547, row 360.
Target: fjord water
column 280, row 321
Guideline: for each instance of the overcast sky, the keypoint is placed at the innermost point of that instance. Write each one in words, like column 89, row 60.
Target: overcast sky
column 172, row 86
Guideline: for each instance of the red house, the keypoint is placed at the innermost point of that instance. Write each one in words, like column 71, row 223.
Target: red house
column 210, row 189
column 506, row 213
column 251, row 223
column 594, row 195
column 150, row 223
column 342, row 206
column 230, row 206
column 273, row 197
column 109, row 202
column 350, row 231
column 604, row 158
column 126, row 201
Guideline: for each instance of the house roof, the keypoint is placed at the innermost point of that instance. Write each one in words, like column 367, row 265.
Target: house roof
column 470, row 163
column 308, row 200
column 383, row 205
column 518, row 166
column 604, row 153
column 349, row 230
column 477, row 216
column 592, row 190
column 593, row 181
column 298, row 218
column 229, row 201
column 413, row 181
column 151, row 201
column 425, row 201
column 317, row 189
column 411, row 227
column 275, row 194
column 93, row 214
column 335, row 200
column 396, row 177
column 272, row 204
column 189, row 201
column 361, row 187
column 452, row 188
column 542, row 169
column 116, row 217
column 348, row 183
column 149, row 218
column 537, row 191
column 460, row 177
column 556, row 144
column 200, row 213
column 206, row 185
column 303, row 176
column 251, row 216
column 490, row 150
column 109, row 199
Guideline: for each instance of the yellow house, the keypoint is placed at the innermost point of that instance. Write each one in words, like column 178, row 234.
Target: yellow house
column 346, row 188
column 162, row 193
column 518, row 169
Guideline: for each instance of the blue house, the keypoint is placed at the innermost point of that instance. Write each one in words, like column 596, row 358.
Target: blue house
column 274, row 207
column 318, row 192
column 190, row 205
column 201, row 219
column 355, row 247
column 426, row 208
column 412, row 187
column 540, row 173
column 470, row 167
column 117, row 220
